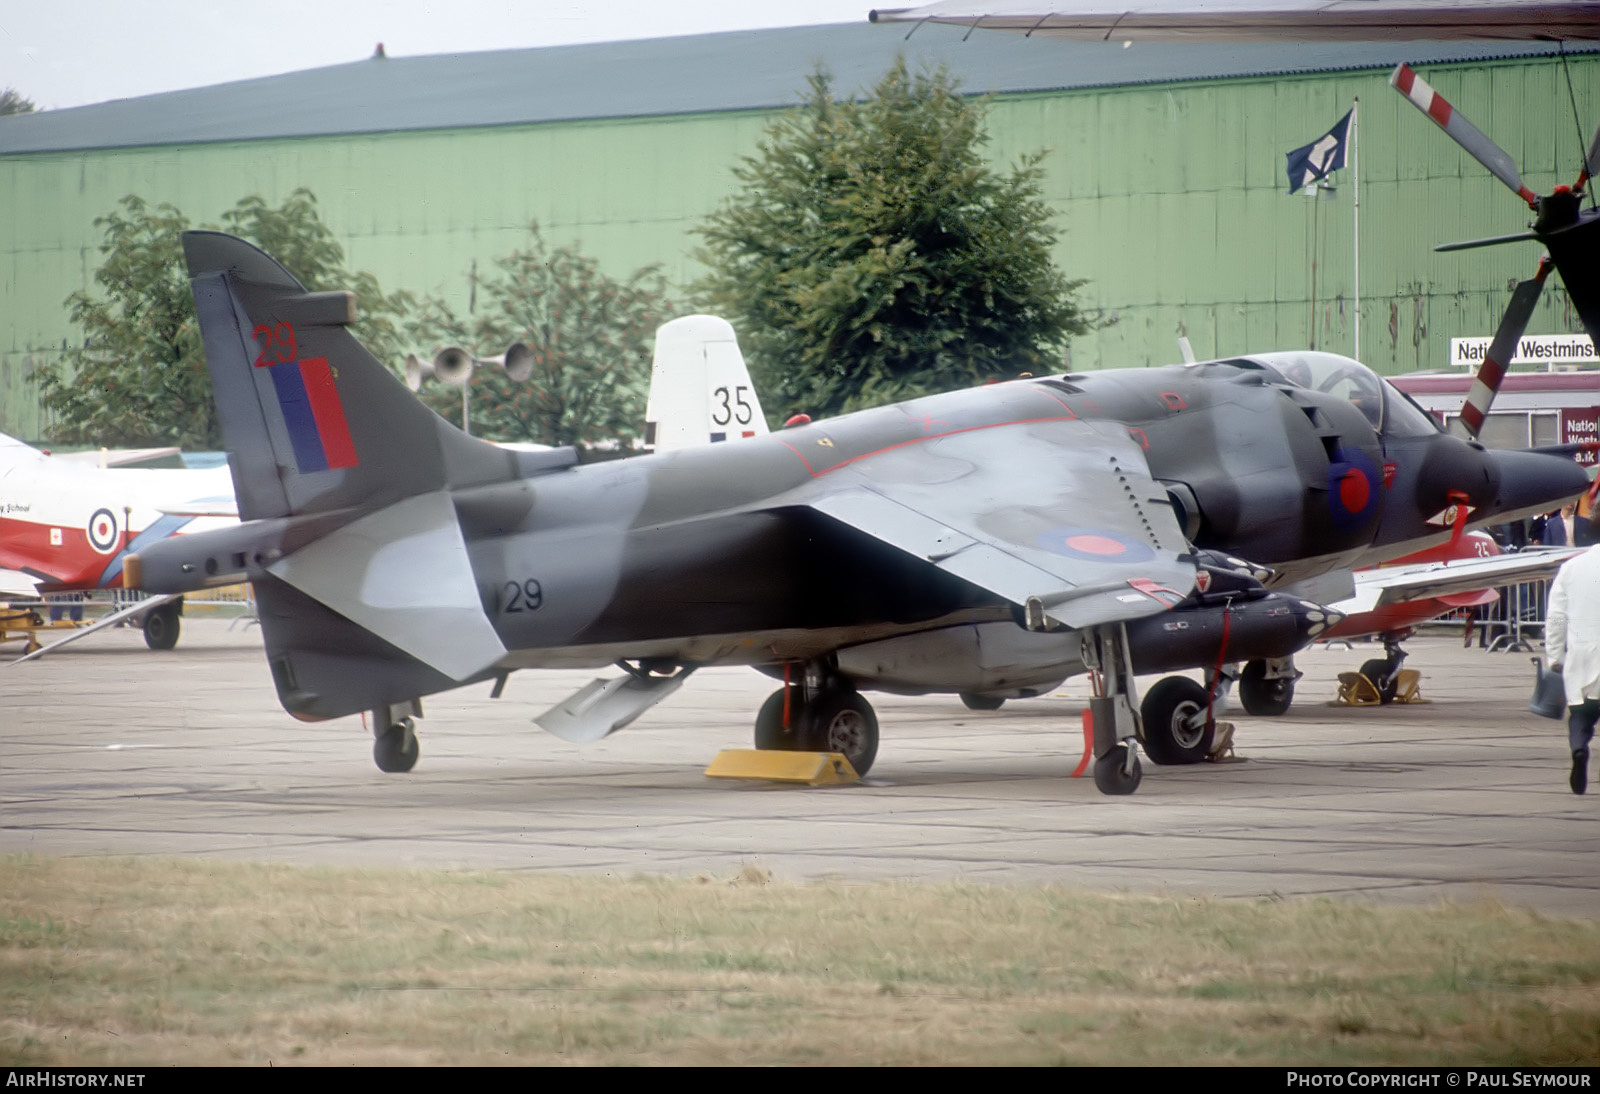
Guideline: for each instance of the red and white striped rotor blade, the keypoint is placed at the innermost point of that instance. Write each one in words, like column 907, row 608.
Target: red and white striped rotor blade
column 1463, row 132
column 1591, row 161
column 1486, row 384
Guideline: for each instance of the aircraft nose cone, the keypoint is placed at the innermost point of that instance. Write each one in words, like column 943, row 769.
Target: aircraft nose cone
column 1532, row 482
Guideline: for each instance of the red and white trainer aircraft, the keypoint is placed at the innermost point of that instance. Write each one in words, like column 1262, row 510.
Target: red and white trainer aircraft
column 67, row 521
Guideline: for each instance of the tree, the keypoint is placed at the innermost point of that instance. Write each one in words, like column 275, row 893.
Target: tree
column 139, row 376
column 871, row 254
column 591, row 337
column 13, row 102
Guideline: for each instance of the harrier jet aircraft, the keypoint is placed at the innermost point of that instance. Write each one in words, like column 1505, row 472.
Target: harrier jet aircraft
column 1119, row 522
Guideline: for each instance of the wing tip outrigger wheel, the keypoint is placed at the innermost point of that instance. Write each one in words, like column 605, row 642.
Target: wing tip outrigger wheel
column 394, row 737
column 1114, row 721
column 1118, row 771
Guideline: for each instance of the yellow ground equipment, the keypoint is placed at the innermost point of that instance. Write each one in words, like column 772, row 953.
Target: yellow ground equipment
column 1355, row 690
column 776, row 765
column 18, row 624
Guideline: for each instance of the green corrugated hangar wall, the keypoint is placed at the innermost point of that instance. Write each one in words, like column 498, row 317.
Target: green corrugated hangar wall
column 1170, row 198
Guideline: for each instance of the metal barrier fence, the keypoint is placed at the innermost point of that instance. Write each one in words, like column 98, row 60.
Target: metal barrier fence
column 1511, row 624
column 72, row 605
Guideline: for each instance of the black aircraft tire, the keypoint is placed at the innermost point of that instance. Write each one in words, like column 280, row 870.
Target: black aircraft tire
column 973, row 701
column 161, row 626
column 1374, row 670
column 841, row 721
column 395, row 750
column 1166, row 706
column 770, row 733
column 1262, row 697
column 1109, row 775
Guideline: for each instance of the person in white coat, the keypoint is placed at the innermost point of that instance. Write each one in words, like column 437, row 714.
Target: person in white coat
column 1572, row 644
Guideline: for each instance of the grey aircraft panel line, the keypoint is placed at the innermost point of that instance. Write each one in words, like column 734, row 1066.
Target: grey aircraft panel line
column 109, row 749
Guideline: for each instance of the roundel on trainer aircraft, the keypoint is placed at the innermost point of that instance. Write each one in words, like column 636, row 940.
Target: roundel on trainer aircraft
column 102, row 531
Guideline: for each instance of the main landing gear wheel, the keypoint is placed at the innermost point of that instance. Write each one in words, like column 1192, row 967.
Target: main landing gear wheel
column 161, row 625
column 395, row 749
column 1170, row 737
column 973, row 701
column 1388, row 684
column 835, row 720
column 770, row 731
column 1111, row 772
column 1263, row 697
column 840, row 720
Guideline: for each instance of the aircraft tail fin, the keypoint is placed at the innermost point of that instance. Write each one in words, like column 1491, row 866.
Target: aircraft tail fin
column 14, row 452
column 700, row 389
column 313, row 422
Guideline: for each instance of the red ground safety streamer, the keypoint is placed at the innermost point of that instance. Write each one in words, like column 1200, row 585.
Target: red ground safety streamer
column 1088, row 743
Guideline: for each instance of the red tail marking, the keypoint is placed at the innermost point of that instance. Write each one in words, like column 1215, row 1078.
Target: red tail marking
column 328, row 412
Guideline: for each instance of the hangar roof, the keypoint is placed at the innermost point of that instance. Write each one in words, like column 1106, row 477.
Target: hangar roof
column 692, row 74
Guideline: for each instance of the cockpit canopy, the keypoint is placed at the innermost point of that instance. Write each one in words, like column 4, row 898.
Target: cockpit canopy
column 1379, row 401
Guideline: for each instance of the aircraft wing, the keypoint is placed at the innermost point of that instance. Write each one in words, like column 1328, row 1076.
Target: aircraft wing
column 1397, row 584
column 1059, row 517
column 203, row 507
column 17, row 583
column 1263, row 20
column 117, row 457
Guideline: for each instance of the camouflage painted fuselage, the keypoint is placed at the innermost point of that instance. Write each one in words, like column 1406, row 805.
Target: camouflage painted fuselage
column 394, row 557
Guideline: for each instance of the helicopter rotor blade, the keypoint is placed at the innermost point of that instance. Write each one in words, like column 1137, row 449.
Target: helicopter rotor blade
column 1462, row 131
column 1486, row 384
column 1591, row 161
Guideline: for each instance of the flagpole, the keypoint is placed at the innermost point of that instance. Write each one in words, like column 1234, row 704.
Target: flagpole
column 1355, row 179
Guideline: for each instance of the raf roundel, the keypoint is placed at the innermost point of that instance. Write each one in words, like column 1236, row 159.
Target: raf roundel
column 1353, row 479
column 1095, row 545
column 102, row 531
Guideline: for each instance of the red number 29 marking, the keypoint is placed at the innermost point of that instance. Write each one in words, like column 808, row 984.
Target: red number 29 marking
column 277, row 345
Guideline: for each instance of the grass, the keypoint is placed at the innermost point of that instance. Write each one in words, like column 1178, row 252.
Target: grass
column 140, row 961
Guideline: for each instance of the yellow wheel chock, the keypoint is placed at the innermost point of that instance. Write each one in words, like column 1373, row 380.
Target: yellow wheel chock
column 1355, row 690
column 778, row 765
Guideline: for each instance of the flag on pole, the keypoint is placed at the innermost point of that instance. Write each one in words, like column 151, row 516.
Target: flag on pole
column 1312, row 162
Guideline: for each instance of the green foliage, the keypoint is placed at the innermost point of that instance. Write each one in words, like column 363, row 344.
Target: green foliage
column 872, row 254
column 139, row 377
column 591, row 338
column 12, row 101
